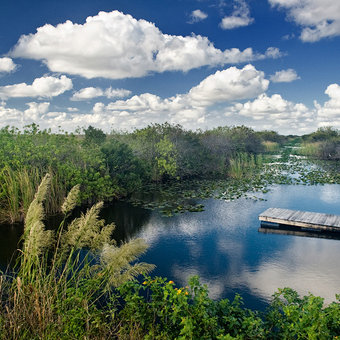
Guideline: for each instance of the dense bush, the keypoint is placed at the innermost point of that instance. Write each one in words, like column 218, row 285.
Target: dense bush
column 113, row 166
column 322, row 144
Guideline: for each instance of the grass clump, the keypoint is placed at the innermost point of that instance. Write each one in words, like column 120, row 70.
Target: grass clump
column 271, row 147
column 62, row 278
column 243, row 165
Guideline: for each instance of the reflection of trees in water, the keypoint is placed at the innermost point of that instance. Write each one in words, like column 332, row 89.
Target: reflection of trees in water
column 9, row 240
column 128, row 219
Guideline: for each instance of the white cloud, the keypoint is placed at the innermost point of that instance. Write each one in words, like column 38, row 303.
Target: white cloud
column 10, row 116
column 284, row 76
column 114, row 45
column 72, row 109
column 7, row 65
column 197, row 15
column 87, row 93
column 318, row 18
column 268, row 112
column 239, row 18
column 228, row 85
column 116, row 93
column 190, row 109
column 329, row 113
column 93, row 92
column 41, row 87
column 35, row 110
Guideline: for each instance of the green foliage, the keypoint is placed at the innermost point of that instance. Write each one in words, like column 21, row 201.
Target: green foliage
column 159, row 310
column 126, row 171
column 93, row 135
column 322, row 134
column 292, row 317
column 271, row 136
column 166, row 158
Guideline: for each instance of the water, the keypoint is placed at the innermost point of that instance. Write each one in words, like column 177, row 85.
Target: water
column 223, row 246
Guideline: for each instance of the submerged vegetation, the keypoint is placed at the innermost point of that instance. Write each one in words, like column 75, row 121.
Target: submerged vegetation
column 75, row 283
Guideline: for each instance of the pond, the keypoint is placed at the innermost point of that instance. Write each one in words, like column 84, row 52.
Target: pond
column 224, row 247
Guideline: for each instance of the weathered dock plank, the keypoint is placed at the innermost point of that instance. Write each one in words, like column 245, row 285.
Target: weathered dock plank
column 302, row 219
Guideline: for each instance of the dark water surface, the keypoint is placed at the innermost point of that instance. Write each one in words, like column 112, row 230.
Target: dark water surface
column 223, row 246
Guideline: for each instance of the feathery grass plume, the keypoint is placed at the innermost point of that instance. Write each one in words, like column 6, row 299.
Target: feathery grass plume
column 88, row 231
column 58, row 294
column 71, row 200
column 36, row 238
column 116, row 261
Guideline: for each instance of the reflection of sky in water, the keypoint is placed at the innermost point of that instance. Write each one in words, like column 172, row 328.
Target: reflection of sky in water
column 222, row 246
column 330, row 194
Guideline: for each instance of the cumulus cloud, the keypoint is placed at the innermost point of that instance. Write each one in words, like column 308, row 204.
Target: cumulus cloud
column 114, row 45
column 189, row 109
column 284, row 76
column 7, row 65
column 14, row 117
column 228, row 85
column 35, row 110
column 239, row 18
column 329, row 113
column 197, row 15
column 93, row 92
column 275, row 111
column 41, row 87
column 87, row 93
column 318, row 18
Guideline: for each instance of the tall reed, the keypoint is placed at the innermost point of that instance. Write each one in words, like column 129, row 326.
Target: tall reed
column 62, row 277
column 270, row 146
column 243, row 165
column 310, row 149
column 17, row 188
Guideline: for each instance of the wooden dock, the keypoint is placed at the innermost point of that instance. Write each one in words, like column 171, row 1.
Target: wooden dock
column 305, row 220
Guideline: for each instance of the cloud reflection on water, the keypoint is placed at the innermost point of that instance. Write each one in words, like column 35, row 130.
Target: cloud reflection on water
column 223, row 247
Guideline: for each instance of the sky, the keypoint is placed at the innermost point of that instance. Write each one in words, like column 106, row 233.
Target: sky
column 121, row 65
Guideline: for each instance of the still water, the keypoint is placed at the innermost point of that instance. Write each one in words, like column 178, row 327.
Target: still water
column 224, row 247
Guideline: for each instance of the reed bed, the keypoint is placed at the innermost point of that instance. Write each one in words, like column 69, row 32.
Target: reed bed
column 243, row 165
column 271, row 147
column 310, row 149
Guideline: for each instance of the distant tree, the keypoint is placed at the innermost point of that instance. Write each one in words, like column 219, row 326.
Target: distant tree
column 322, row 134
column 271, row 136
column 94, row 135
column 127, row 172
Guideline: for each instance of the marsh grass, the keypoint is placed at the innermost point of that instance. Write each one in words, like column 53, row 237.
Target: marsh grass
column 17, row 189
column 270, row 146
column 61, row 278
column 310, row 149
column 243, row 165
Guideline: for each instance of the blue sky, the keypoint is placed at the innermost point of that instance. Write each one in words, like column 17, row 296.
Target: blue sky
column 267, row 64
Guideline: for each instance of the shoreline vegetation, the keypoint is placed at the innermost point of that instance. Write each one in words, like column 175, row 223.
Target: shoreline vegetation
column 160, row 166
column 75, row 283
